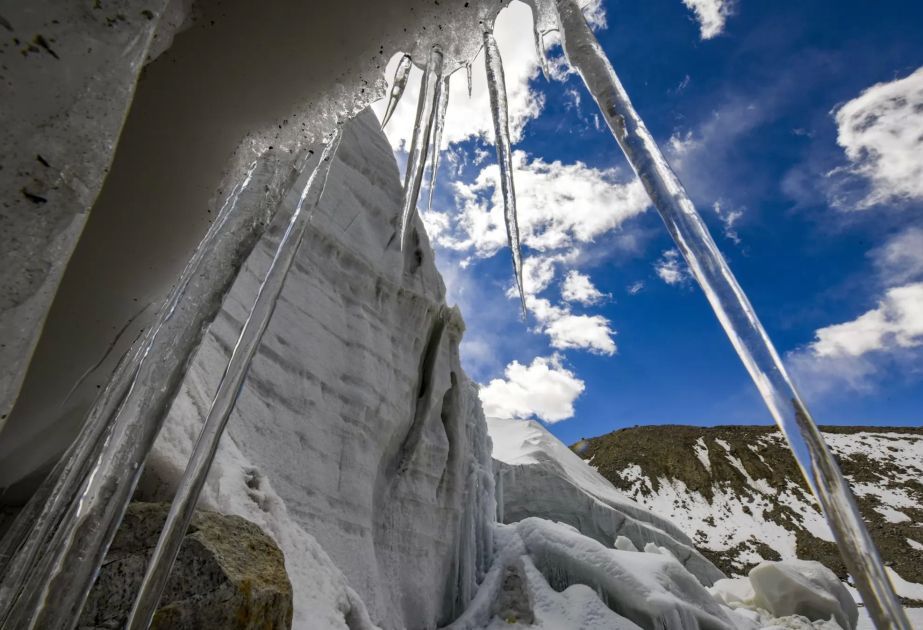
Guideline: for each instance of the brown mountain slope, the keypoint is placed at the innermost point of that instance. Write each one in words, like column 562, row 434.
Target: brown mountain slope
column 738, row 492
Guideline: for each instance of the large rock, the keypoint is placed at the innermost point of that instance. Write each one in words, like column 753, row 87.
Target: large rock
column 229, row 575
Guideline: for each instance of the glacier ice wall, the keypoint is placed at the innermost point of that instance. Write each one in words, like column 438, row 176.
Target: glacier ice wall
column 227, row 82
column 363, row 488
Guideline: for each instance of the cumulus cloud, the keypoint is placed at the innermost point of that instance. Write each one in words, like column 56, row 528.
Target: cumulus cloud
column 559, row 205
column 671, row 268
column 897, row 322
column 880, row 133
column 900, row 259
column 545, row 389
column 589, row 332
column 561, row 208
column 577, row 287
column 711, row 14
column 850, row 353
column 567, row 330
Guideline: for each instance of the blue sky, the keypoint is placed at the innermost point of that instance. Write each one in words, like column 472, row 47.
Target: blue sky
column 797, row 129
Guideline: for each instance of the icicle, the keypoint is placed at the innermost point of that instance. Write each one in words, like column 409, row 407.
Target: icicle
column 397, row 87
column 72, row 548
column 442, row 105
column 420, row 141
column 187, row 495
column 468, row 76
column 500, row 113
column 736, row 316
column 22, row 545
column 540, row 49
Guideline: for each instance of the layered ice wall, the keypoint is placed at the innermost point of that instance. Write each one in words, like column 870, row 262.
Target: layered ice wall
column 357, row 442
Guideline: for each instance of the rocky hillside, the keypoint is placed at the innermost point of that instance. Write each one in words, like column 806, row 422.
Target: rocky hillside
column 738, row 492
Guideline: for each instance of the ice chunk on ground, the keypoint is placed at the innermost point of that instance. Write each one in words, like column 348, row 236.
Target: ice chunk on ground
column 803, row 587
column 653, row 590
column 537, row 475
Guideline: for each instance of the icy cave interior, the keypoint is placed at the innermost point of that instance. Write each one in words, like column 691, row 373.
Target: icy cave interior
column 217, row 293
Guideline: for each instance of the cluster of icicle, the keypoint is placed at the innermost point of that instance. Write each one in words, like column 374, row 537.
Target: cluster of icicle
column 430, row 121
column 50, row 557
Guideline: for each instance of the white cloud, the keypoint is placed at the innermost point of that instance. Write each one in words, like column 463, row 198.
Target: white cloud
column 635, row 287
column 880, row 132
column 578, row 287
column 589, row 332
column 539, row 271
column 729, row 219
column 559, row 205
column 543, row 389
column 897, row 322
column 566, row 330
column 855, row 353
column 900, row 259
column 671, row 268
column 469, row 117
column 711, row 14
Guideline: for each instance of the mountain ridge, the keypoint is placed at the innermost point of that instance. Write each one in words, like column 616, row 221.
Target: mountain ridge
column 743, row 499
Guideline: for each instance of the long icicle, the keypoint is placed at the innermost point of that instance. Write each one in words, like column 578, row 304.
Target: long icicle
column 397, row 87
column 26, row 544
column 419, row 144
column 442, row 105
column 23, row 543
column 500, row 113
column 736, row 316
column 540, row 50
column 200, row 462
column 61, row 577
column 469, row 77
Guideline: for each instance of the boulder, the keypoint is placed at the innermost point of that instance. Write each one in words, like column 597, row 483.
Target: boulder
column 229, row 575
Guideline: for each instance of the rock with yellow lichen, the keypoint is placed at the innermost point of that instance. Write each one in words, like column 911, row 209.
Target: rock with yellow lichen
column 229, row 575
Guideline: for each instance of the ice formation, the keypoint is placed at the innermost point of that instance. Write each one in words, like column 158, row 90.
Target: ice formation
column 385, row 500
column 558, row 547
column 373, row 475
column 500, row 113
column 250, row 338
column 442, row 106
column 397, row 87
column 419, row 144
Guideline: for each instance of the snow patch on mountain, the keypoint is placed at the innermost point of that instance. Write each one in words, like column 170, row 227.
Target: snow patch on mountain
column 738, row 491
column 557, row 565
